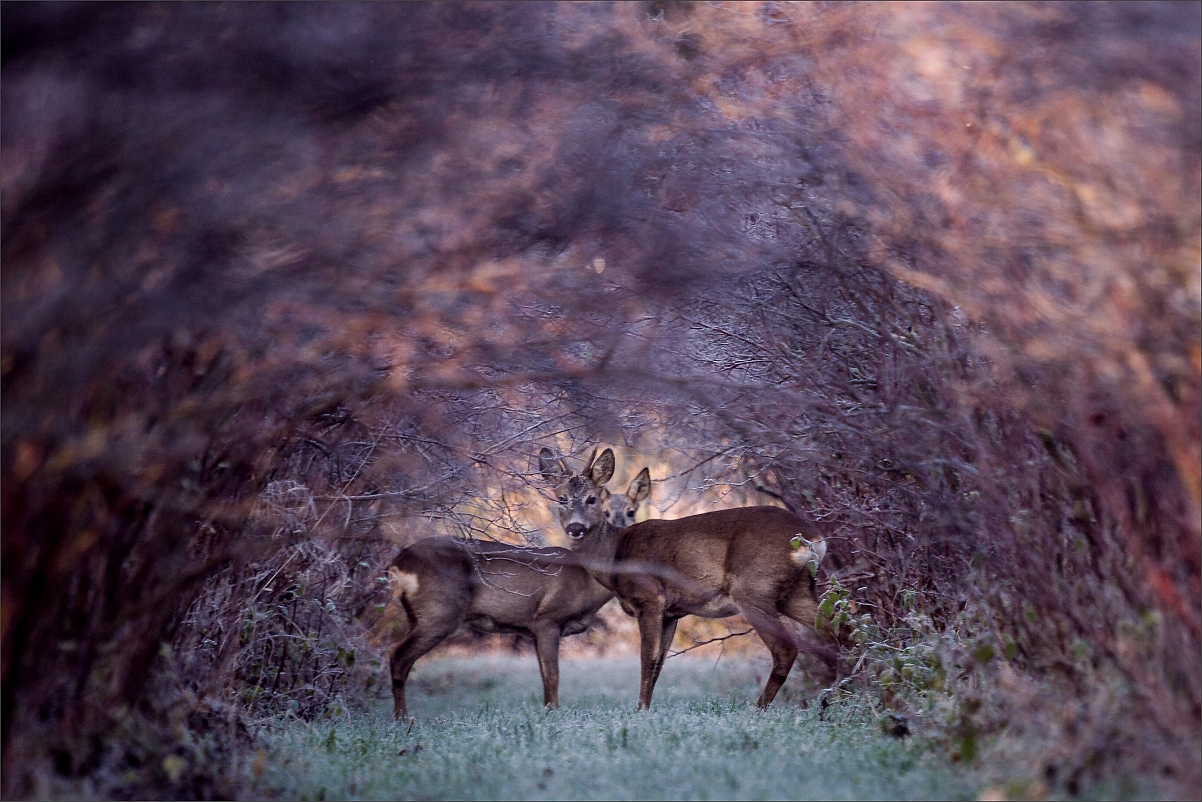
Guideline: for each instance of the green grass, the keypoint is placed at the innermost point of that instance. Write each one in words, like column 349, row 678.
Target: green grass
column 484, row 735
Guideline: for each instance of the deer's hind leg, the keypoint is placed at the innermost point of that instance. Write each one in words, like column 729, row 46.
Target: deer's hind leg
column 427, row 632
column 781, row 645
column 801, row 606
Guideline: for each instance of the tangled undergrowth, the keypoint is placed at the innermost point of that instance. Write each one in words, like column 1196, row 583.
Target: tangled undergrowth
column 288, row 287
column 960, row 683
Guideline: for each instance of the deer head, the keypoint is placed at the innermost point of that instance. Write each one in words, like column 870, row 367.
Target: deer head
column 582, row 498
column 621, row 508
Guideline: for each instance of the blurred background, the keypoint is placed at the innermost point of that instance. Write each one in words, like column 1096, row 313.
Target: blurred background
column 287, row 287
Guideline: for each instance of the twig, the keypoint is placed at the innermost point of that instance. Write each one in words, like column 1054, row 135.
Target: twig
column 711, row 640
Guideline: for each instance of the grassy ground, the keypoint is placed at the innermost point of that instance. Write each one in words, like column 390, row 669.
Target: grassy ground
column 481, row 733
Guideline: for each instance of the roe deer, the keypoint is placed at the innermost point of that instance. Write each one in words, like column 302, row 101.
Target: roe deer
column 444, row 582
column 755, row 561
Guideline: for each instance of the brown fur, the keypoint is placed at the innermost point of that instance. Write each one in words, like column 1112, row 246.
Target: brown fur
column 444, row 583
column 714, row 565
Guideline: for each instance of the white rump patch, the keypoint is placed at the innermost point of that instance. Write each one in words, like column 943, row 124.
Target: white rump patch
column 818, row 549
column 807, row 552
column 402, row 583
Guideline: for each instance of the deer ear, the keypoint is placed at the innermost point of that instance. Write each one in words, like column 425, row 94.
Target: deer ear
column 640, row 488
column 603, row 469
column 551, row 466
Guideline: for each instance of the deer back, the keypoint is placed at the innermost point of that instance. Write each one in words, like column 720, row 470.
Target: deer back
column 749, row 550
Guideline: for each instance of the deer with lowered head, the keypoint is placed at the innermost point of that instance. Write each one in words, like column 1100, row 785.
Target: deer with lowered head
column 759, row 562
column 443, row 583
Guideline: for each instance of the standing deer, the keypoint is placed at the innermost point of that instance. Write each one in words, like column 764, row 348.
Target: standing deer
column 444, row 582
column 756, row 561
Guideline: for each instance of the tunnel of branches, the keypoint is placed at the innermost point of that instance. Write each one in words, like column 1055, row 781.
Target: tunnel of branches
column 286, row 288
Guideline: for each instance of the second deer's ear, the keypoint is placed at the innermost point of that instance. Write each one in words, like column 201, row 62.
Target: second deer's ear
column 551, row 466
column 603, row 469
column 640, row 488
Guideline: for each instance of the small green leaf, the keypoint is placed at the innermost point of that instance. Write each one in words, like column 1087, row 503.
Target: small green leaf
column 173, row 767
column 1030, row 612
column 1080, row 649
column 983, row 653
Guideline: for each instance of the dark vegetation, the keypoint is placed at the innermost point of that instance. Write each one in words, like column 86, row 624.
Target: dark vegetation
column 285, row 286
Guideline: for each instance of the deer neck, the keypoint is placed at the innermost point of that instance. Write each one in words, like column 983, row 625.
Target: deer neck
column 597, row 552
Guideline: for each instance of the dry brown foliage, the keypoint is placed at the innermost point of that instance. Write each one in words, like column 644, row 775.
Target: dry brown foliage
column 284, row 283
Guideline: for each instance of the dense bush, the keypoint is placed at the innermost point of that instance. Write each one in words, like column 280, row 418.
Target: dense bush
column 287, row 287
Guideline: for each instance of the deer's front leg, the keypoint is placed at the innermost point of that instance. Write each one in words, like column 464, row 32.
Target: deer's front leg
column 651, row 636
column 546, row 644
column 665, row 643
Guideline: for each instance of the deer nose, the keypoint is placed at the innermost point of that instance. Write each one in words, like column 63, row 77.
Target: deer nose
column 576, row 531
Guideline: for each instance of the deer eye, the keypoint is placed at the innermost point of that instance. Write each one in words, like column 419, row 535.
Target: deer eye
column 591, row 500
column 630, row 513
